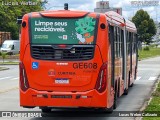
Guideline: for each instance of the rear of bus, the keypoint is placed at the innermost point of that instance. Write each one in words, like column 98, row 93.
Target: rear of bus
column 63, row 60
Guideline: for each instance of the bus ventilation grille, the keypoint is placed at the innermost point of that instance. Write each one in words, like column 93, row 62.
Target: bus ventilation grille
column 69, row 52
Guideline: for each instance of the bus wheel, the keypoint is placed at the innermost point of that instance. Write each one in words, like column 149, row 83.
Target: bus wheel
column 125, row 92
column 107, row 110
column 110, row 110
column 46, row 109
column 132, row 85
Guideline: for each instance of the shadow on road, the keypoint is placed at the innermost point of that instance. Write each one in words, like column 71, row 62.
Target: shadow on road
column 74, row 114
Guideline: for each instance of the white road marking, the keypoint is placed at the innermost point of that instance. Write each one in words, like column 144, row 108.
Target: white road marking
column 138, row 78
column 4, row 78
column 15, row 78
column 11, row 89
column 152, row 78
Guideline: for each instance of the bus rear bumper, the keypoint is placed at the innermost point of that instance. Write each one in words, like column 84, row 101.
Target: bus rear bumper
column 89, row 99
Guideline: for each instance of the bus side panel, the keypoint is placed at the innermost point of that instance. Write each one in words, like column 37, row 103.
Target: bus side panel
column 110, row 93
column 128, row 59
column 134, row 66
column 24, row 37
column 102, row 38
column 134, row 58
column 105, row 49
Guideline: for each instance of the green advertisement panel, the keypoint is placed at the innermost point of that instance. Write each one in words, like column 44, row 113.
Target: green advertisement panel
column 63, row 31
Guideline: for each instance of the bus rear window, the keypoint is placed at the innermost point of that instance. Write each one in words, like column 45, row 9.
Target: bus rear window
column 63, row 31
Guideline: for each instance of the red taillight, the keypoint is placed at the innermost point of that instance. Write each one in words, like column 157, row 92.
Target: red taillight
column 102, row 79
column 62, row 46
column 23, row 77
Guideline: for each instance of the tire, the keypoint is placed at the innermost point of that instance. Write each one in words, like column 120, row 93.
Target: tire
column 132, row 85
column 110, row 110
column 107, row 110
column 11, row 53
column 46, row 109
column 125, row 92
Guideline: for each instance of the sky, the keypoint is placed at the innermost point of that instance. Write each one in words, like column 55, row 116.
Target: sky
column 128, row 10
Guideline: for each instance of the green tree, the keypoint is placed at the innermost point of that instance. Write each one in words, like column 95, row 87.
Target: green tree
column 9, row 14
column 146, row 28
column 3, row 56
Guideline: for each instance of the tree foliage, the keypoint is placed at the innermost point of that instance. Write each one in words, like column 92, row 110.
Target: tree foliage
column 145, row 26
column 9, row 14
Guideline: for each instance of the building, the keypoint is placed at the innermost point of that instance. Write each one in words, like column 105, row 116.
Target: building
column 103, row 6
column 4, row 36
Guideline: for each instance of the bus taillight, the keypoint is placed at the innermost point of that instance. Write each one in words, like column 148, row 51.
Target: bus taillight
column 101, row 81
column 24, row 85
column 62, row 46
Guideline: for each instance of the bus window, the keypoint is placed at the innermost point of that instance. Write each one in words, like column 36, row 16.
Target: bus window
column 118, row 41
column 62, row 33
column 115, row 40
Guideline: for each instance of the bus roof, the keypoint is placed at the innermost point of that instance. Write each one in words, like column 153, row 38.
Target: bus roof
column 59, row 14
column 115, row 18
column 63, row 13
column 130, row 26
column 112, row 17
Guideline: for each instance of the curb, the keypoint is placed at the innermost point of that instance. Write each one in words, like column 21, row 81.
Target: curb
column 149, row 97
column 3, row 68
column 148, row 58
column 10, row 64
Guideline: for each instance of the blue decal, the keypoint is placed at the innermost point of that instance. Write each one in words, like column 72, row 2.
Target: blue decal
column 35, row 65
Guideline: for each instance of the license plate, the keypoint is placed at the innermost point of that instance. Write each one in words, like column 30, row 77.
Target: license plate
column 62, row 81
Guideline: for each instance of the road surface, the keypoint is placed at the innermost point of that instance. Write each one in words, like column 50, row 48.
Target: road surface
column 148, row 71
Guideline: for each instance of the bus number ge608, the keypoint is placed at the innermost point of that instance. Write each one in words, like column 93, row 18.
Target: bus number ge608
column 85, row 65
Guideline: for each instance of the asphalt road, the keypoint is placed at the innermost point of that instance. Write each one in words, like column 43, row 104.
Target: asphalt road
column 148, row 71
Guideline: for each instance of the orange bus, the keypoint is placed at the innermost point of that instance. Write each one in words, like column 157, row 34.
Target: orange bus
column 76, row 59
